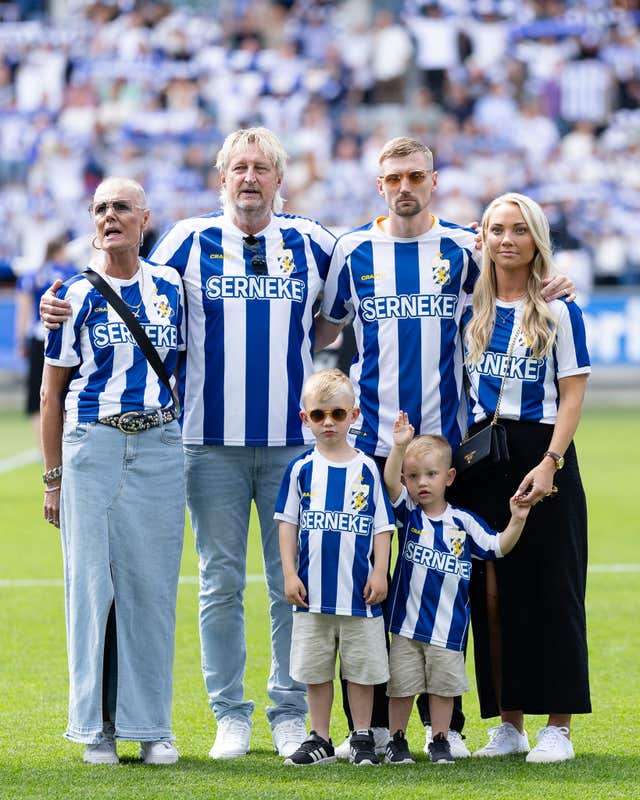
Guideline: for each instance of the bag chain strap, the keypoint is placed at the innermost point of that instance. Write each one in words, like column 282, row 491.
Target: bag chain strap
column 511, row 348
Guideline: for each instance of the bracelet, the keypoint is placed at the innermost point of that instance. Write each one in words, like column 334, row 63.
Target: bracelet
column 50, row 489
column 52, row 474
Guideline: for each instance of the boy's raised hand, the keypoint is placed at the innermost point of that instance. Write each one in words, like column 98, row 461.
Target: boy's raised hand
column 403, row 430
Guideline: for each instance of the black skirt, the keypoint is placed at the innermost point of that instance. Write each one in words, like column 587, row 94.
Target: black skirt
column 541, row 584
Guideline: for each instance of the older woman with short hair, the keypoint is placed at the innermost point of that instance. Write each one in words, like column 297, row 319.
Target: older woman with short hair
column 114, row 478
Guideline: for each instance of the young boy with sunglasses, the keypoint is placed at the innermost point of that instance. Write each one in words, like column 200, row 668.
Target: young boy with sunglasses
column 335, row 531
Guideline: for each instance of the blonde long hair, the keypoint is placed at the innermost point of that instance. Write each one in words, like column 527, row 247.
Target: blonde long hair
column 537, row 325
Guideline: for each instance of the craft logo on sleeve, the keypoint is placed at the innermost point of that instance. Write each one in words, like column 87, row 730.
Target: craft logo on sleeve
column 359, row 496
column 441, row 270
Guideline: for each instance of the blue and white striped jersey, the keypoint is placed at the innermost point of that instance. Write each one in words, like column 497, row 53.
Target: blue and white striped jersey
column 338, row 509
column 406, row 297
column 531, row 388
column 250, row 335
column 429, row 597
column 112, row 374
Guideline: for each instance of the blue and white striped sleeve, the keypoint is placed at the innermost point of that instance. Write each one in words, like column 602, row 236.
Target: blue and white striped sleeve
column 288, row 501
column 337, row 304
column 571, row 342
column 483, row 540
column 62, row 348
column 174, row 246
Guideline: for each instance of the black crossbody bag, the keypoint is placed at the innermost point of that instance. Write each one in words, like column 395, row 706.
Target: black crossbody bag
column 487, row 448
column 137, row 331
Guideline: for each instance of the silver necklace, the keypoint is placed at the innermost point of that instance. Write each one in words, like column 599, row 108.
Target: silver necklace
column 135, row 310
column 505, row 314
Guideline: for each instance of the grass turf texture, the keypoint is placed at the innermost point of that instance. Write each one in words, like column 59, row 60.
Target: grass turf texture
column 36, row 762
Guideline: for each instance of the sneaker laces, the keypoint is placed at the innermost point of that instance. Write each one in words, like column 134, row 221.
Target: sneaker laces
column 233, row 726
column 160, row 745
column 498, row 735
column 455, row 736
column 290, row 729
column 549, row 737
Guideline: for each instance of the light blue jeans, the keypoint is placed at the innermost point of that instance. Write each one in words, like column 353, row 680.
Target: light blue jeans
column 221, row 483
column 122, row 523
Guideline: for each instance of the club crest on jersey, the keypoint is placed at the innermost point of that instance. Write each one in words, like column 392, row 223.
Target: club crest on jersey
column 286, row 263
column 454, row 538
column 359, row 496
column 161, row 305
column 441, row 270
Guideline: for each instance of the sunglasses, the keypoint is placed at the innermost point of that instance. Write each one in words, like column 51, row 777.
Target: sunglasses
column 415, row 178
column 258, row 261
column 118, row 206
column 336, row 414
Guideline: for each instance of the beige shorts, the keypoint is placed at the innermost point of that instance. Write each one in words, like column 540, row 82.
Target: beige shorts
column 316, row 639
column 417, row 667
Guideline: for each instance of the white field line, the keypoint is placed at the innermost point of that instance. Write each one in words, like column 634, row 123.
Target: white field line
column 19, row 460
column 193, row 579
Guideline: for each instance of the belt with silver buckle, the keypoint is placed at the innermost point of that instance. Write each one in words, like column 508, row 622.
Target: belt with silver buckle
column 138, row 421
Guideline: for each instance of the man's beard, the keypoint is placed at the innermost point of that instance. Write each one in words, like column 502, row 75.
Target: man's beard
column 407, row 210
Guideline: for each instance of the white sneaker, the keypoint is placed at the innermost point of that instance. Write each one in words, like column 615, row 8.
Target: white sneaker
column 158, row 752
column 381, row 738
column 102, row 753
column 456, row 743
column 553, row 745
column 288, row 735
column 343, row 750
column 504, row 740
column 232, row 738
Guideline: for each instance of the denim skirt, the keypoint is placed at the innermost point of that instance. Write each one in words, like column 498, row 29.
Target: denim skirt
column 122, row 526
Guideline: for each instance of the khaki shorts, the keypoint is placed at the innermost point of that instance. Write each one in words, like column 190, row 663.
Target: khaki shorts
column 316, row 639
column 418, row 667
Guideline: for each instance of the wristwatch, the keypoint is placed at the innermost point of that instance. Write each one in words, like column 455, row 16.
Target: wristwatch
column 559, row 460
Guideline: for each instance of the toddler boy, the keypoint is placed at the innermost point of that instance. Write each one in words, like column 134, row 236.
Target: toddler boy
column 428, row 607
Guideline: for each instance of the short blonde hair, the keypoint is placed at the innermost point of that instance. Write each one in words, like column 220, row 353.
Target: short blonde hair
column 326, row 384
column 402, row 146
column 266, row 141
column 426, row 444
column 129, row 182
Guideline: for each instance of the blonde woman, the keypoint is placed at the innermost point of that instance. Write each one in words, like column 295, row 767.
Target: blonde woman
column 529, row 617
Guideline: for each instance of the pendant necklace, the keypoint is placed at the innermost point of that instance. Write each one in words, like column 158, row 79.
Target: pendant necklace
column 507, row 314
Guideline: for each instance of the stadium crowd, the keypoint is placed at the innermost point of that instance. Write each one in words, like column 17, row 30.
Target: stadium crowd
column 538, row 96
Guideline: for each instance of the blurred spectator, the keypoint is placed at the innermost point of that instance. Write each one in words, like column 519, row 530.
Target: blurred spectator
column 391, row 52
column 30, row 333
column 538, row 96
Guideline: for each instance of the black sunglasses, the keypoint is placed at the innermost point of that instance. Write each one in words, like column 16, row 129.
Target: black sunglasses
column 258, row 260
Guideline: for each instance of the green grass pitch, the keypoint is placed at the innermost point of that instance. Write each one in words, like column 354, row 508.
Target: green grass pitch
column 36, row 762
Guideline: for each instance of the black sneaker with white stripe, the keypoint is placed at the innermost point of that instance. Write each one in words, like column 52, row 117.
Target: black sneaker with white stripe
column 314, row 750
column 363, row 749
column 398, row 750
column 440, row 751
